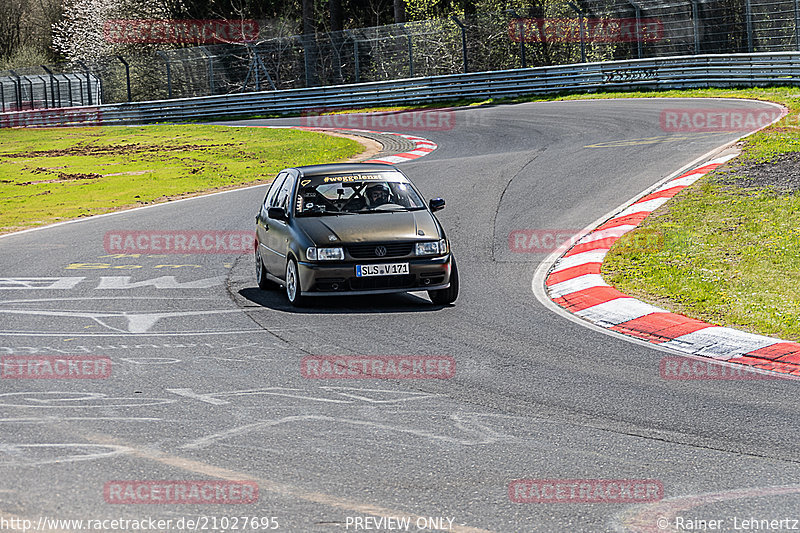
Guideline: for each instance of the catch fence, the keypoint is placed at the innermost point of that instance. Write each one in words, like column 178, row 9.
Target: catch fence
column 560, row 33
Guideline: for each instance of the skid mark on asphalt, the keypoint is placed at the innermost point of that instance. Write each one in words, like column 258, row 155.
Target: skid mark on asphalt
column 657, row 140
column 377, row 396
column 73, row 400
column 12, row 454
column 266, row 485
column 54, row 419
column 481, row 434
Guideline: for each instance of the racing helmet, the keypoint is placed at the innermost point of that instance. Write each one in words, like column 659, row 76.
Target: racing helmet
column 378, row 193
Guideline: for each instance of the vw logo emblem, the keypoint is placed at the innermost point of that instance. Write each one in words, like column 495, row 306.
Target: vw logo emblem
column 380, row 251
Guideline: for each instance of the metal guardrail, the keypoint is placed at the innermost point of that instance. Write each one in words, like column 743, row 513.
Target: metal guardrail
column 728, row 70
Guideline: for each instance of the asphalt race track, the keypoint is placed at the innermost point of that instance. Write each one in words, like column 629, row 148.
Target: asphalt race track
column 206, row 381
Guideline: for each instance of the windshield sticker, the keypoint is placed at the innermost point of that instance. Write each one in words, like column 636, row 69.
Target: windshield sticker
column 354, row 177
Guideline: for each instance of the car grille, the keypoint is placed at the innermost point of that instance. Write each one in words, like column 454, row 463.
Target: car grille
column 367, row 250
column 382, row 282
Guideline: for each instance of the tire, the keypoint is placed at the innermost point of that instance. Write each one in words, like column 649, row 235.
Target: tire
column 293, row 288
column 448, row 295
column 261, row 274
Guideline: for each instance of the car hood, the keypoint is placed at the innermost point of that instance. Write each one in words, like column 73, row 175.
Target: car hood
column 371, row 227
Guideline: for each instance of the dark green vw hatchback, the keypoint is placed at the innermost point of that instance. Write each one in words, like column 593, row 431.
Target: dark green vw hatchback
column 352, row 229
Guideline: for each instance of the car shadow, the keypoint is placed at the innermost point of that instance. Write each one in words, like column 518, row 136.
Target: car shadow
column 379, row 303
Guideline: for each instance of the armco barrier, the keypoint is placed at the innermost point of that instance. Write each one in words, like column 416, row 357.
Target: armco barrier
column 726, row 70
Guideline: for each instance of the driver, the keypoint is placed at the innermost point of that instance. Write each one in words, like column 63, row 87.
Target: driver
column 378, row 194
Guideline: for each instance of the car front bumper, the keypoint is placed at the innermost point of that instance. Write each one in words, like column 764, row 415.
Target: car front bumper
column 339, row 278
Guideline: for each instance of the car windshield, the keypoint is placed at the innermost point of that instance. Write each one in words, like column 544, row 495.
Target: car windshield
column 378, row 192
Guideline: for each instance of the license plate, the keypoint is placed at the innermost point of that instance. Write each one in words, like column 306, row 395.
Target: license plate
column 384, row 269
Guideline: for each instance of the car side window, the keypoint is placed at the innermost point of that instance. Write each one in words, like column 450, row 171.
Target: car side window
column 274, row 188
column 282, row 198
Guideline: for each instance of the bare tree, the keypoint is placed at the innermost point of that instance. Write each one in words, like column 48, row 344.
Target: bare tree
column 400, row 11
column 336, row 14
column 10, row 27
column 308, row 17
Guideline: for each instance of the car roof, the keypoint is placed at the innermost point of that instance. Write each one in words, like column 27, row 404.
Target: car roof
column 337, row 168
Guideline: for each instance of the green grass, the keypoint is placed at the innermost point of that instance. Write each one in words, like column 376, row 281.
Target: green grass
column 53, row 174
column 730, row 254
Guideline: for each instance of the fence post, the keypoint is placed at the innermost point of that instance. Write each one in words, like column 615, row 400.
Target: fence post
column 749, row 17
column 127, row 75
column 464, row 40
column 638, row 31
column 355, row 55
column 169, row 73
column 69, row 90
column 210, row 59
column 266, row 72
column 309, row 44
column 577, row 10
column 18, row 89
column 2, row 96
column 30, row 83
column 254, row 51
column 521, row 28
column 88, row 81
column 410, row 51
column 695, row 23
column 305, row 62
column 52, row 87
column 44, row 86
column 638, row 15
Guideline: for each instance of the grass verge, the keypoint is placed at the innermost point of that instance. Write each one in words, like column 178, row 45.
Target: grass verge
column 731, row 242
column 53, row 174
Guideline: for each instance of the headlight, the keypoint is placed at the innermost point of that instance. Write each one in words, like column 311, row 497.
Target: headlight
column 325, row 254
column 432, row 248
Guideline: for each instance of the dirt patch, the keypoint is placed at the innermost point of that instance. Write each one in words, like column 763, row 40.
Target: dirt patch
column 63, row 176
column 115, row 149
column 781, row 174
column 137, row 173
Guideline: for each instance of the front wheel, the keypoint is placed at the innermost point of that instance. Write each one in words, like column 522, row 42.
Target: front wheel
column 293, row 284
column 448, row 295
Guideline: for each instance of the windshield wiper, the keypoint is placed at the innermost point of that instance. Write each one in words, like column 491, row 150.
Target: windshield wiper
column 325, row 213
column 392, row 210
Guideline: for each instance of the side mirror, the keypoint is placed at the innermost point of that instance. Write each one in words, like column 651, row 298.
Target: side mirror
column 436, row 204
column 277, row 213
